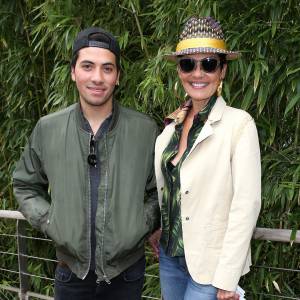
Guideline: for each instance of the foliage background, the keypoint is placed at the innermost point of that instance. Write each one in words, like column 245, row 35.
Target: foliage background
column 36, row 39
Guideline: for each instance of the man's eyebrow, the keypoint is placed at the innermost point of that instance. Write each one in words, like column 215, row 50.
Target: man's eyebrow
column 108, row 63
column 86, row 62
column 90, row 62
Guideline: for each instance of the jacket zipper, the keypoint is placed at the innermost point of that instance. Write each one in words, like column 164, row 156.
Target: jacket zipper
column 89, row 211
column 104, row 214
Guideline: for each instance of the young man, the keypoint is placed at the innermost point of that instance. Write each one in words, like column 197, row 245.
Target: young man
column 83, row 177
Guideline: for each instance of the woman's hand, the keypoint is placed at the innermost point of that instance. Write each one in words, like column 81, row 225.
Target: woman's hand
column 154, row 242
column 227, row 295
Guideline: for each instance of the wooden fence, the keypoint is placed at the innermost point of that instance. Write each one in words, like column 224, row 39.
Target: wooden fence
column 276, row 235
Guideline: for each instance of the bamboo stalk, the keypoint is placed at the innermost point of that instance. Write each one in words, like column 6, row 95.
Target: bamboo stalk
column 144, row 46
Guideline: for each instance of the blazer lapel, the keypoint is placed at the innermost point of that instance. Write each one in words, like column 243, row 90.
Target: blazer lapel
column 214, row 116
column 206, row 131
column 164, row 138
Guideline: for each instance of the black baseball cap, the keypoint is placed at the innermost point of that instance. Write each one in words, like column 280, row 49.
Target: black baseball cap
column 103, row 39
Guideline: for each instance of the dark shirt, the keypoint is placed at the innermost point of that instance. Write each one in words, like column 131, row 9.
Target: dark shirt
column 94, row 182
column 171, row 239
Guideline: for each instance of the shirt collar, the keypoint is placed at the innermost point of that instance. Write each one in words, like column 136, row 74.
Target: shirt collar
column 113, row 121
column 180, row 113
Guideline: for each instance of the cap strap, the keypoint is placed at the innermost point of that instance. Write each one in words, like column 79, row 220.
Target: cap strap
column 201, row 42
column 98, row 44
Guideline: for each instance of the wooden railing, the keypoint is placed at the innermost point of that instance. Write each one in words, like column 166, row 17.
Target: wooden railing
column 23, row 289
column 276, row 235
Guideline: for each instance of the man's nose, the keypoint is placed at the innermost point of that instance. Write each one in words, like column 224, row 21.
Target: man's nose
column 97, row 75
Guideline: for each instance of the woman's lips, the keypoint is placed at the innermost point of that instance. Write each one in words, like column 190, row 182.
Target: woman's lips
column 199, row 85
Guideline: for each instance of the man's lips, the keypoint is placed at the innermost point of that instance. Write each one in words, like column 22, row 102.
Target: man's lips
column 93, row 88
column 96, row 90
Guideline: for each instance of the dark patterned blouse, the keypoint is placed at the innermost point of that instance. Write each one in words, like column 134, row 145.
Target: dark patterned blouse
column 171, row 238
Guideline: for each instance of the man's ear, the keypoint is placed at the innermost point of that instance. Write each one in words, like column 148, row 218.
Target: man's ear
column 118, row 78
column 73, row 74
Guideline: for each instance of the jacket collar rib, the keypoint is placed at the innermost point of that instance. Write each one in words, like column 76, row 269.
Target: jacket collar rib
column 115, row 116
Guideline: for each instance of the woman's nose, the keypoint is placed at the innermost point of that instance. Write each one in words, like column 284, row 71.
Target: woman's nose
column 198, row 70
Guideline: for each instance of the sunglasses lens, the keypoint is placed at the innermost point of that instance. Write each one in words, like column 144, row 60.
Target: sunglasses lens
column 209, row 64
column 187, row 65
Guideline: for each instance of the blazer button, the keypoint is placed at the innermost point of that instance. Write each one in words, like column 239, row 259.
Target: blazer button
column 48, row 221
column 187, row 218
column 186, row 192
column 161, row 188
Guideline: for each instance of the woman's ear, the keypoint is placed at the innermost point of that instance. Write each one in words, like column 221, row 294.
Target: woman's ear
column 223, row 72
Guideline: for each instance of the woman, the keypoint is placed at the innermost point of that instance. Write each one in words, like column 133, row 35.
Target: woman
column 208, row 175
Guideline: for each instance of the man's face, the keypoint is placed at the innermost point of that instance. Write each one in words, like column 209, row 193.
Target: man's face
column 96, row 75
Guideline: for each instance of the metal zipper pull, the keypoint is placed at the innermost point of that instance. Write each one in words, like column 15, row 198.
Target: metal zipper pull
column 105, row 279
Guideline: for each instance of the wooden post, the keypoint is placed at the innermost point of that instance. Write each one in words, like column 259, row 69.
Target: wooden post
column 24, row 279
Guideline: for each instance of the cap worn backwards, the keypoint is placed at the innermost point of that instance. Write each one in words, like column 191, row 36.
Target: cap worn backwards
column 96, row 37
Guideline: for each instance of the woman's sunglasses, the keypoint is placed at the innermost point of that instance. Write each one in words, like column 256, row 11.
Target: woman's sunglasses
column 208, row 64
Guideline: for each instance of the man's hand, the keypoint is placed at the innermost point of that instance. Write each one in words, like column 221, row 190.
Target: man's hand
column 227, row 295
column 154, row 242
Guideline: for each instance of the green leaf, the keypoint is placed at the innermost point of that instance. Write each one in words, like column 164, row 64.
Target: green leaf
column 293, row 236
column 247, row 99
column 256, row 76
column 276, row 286
column 292, row 71
column 263, row 96
column 291, row 104
column 249, row 69
column 215, row 8
column 274, row 27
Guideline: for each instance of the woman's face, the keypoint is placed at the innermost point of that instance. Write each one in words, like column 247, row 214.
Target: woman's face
column 198, row 84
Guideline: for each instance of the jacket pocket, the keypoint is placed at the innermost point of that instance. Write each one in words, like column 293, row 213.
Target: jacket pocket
column 48, row 220
column 136, row 271
column 45, row 219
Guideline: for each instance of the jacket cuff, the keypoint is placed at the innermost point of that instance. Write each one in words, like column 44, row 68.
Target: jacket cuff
column 43, row 223
column 226, row 278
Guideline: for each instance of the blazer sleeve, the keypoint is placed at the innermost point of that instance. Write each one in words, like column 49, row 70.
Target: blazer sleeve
column 244, row 210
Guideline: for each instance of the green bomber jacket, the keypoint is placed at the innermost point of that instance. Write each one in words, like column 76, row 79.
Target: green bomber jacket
column 51, row 185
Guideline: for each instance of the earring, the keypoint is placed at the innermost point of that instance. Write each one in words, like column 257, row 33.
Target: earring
column 219, row 89
column 175, row 89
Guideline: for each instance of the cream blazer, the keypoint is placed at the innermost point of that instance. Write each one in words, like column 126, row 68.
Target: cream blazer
column 220, row 195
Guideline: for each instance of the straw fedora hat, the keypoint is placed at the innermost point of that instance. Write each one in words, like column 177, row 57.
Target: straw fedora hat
column 202, row 35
